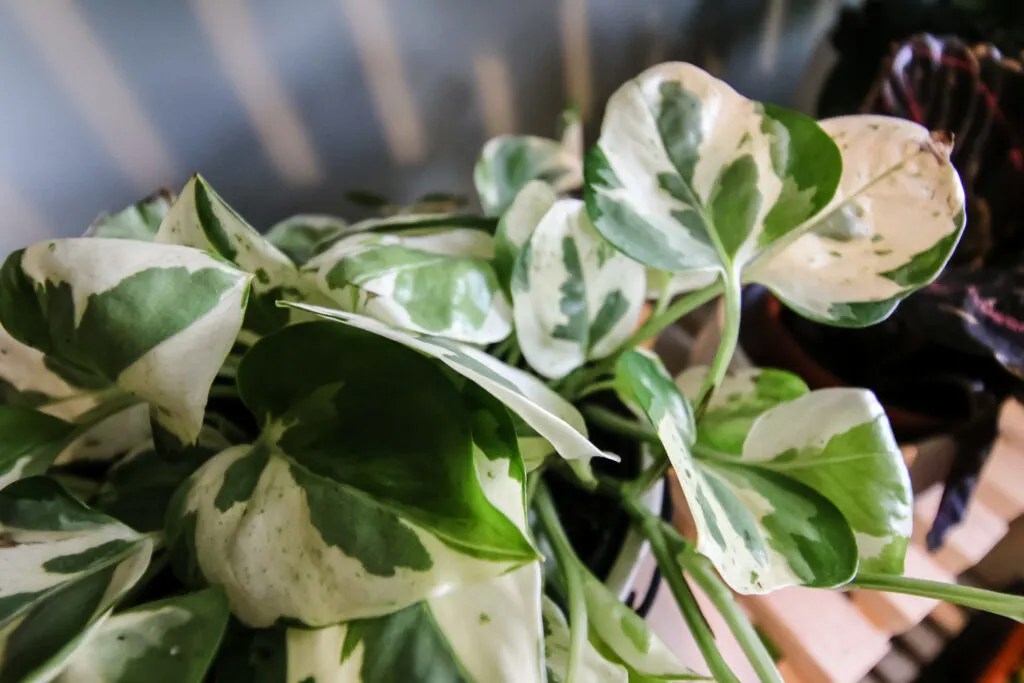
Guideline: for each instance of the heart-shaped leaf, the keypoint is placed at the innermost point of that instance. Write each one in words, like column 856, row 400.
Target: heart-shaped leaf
column 173, row 640
column 356, row 428
column 550, row 415
column 436, row 282
column 595, row 668
column 762, row 529
column 299, row 236
column 62, row 568
column 575, row 298
column 31, row 442
column 152, row 320
column 140, row 221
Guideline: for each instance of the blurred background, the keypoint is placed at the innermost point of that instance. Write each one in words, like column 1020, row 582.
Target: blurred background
column 284, row 106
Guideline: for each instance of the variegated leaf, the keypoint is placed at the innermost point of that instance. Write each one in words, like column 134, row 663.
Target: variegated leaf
column 575, row 298
column 595, row 668
column 31, row 442
column 517, row 224
column 824, row 439
column 403, row 222
column 111, row 436
column 436, row 282
column 624, row 637
column 201, row 219
column 356, row 428
column 894, row 222
column 62, row 568
column 170, row 641
column 151, row 320
column 762, row 529
column 140, row 221
column 299, row 236
column 508, row 162
column 551, row 416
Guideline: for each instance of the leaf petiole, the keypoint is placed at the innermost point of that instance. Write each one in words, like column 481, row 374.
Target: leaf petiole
column 614, row 422
column 1010, row 606
column 727, row 346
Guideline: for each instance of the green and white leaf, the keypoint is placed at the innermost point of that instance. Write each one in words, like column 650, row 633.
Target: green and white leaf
column 548, row 414
column 201, row 219
column 508, row 162
column 575, row 298
column 62, row 568
column 31, row 442
column 109, row 437
column 425, row 474
column 436, row 282
column 595, row 668
column 893, row 224
column 170, row 641
column 140, row 221
column 299, row 236
column 417, row 222
column 151, row 320
column 517, row 224
column 760, row 528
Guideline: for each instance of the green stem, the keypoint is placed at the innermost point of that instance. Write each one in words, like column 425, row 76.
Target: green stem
column 117, row 402
column 659, row 321
column 1011, row 606
column 603, row 385
column 567, row 560
column 614, row 422
column 727, row 347
column 700, row 568
column 649, row 476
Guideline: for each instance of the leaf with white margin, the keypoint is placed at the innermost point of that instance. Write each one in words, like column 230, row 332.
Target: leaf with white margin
column 436, row 282
column 824, row 439
column 517, row 224
column 140, row 221
column 893, row 224
column 169, row 641
column 595, row 668
column 31, row 442
column 625, row 638
column 153, row 320
column 550, row 415
column 299, row 236
column 201, row 219
column 575, row 298
column 689, row 175
column 356, row 428
column 508, row 162
column 62, row 568
column 401, row 223
column 762, row 530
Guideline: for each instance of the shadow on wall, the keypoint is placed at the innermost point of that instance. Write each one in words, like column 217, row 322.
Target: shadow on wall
column 284, row 106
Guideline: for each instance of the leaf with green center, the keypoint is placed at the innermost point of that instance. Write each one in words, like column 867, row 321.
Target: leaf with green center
column 625, row 638
column 299, row 236
column 594, row 668
column 140, row 221
column 895, row 221
column 201, row 219
column 170, row 641
column 509, row 162
column 410, row 222
column 31, row 442
column 487, row 633
column 436, row 282
column 824, row 439
column 574, row 297
column 62, row 568
column 152, row 320
column 548, row 414
column 516, row 225
column 426, row 475
column 761, row 529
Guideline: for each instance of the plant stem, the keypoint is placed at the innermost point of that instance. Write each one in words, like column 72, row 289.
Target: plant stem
column 700, row 568
column 603, row 385
column 614, row 422
column 224, row 391
column 648, row 477
column 1011, row 606
column 107, row 406
column 659, row 321
column 567, row 560
column 727, row 347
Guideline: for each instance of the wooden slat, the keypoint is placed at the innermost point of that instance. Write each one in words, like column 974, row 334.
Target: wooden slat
column 967, row 543
column 896, row 613
column 999, row 487
column 823, row 636
column 949, row 618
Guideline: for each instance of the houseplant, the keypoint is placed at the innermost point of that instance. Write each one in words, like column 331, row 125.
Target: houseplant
column 346, row 471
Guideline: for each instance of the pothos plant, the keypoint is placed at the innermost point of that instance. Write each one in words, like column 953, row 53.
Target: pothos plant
column 323, row 453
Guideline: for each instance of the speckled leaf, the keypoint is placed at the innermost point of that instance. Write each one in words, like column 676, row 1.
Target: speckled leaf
column 31, row 442
column 170, row 641
column 152, row 320
column 201, row 219
column 575, row 298
column 894, row 222
column 425, row 475
column 551, row 416
column 761, row 529
column 516, row 226
column 436, row 282
column 595, row 668
column 299, row 236
column 140, row 221
column 62, row 568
